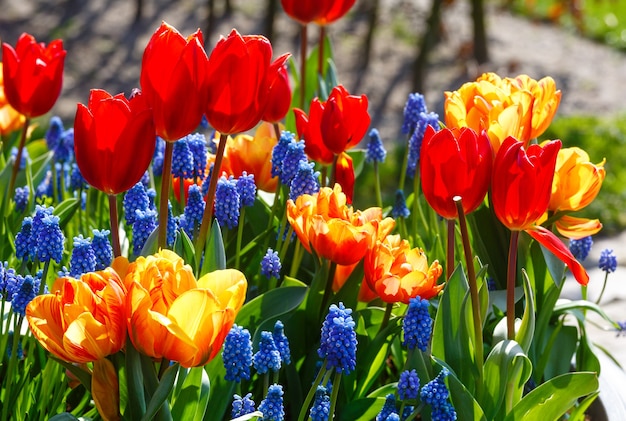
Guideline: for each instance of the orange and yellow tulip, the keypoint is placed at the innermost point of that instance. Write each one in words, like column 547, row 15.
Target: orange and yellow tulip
column 520, row 107
column 398, row 273
column 161, row 291
column 325, row 223
column 83, row 319
column 576, row 180
column 105, row 390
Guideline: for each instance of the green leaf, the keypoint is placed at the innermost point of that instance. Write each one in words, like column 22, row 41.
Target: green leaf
column 364, row 409
column 151, row 244
column 183, row 246
column 463, row 401
column 159, row 398
column 451, row 331
column 252, row 415
column 65, row 210
column 214, row 253
column 552, row 399
column 579, row 412
column 506, row 370
column 270, row 305
column 134, row 382
column 524, row 335
column 83, row 376
column 191, row 402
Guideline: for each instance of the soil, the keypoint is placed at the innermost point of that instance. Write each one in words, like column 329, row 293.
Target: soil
column 105, row 45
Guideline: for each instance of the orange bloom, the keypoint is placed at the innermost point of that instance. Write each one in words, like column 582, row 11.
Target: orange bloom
column 577, row 228
column 323, row 222
column 83, row 320
column 253, row 155
column 398, row 273
column 520, row 107
column 161, row 291
column 576, row 180
column 10, row 119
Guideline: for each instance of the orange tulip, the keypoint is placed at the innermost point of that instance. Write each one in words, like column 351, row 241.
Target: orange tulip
column 576, row 180
column 83, row 320
column 323, row 222
column 105, row 389
column 253, row 155
column 161, row 291
column 398, row 273
column 10, row 119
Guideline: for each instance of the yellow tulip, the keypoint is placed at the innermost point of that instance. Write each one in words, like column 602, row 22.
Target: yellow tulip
column 576, row 180
column 173, row 316
column 10, row 119
column 520, row 107
column 83, row 320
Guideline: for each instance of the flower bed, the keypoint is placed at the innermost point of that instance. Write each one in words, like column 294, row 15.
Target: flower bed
column 214, row 274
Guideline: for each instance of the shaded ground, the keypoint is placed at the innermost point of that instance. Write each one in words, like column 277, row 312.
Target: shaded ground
column 105, row 47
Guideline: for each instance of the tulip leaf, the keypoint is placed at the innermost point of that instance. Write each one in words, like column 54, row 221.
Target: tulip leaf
column 134, row 382
column 364, row 409
column 191, row 401
column 267, row 307
column 65, row 210
column 506, row 370
column 214, row 253
column 221, row 392
column 463, row 401
column 552, row 399
column 83, row 376
column 150, row 246
column 524, row 335
column 183, row 246
column 158, row 406
column 252, row 415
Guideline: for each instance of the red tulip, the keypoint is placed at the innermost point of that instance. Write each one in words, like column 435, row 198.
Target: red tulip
column 309, row 129
column 455, row 163
column 344, row 175
column 279, row 91
column 239, row 73
column 345, row 120
column 522, row 182
column 173, row 80
column 33, row 74
column 306, row 11
column 333, row 126
column 338, row 9
column 113, row 140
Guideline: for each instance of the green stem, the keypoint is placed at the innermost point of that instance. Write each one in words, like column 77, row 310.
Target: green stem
column 208, row 209
column 471, row 275
column 18, row 157
column 510, row 286
column 115, row 230
column 12, row 366
column 450, row 249
column 44, row 275
column 606, row 277
column 303, row 53
column 386, row 318
column 242, row 215
column 298, row 253
column 379, row 197
column 312, row 390
column 332, row 267
column 333, row 397
column 165, row 194
column 405, row 165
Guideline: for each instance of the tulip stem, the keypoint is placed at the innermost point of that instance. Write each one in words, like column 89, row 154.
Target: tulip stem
column 165, row 194
column 18, row 157
column 379, row 197
column 208, row 209
column 276, row 130
column 332, row 268
column 510, row 286
column 471, row 275
column 242, row 216
column 115, row 230
column 303, row 48
column 405, row 165
column 450, row 249
column 386, row 317
column 312, row 390
column 320, row 52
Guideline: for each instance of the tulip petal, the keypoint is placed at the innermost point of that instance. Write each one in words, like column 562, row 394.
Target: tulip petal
column 550, row 241
column 577, row 228
column 105, row 389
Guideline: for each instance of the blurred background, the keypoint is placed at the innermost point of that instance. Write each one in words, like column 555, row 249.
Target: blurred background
column 383, row 48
